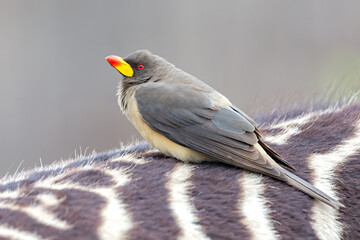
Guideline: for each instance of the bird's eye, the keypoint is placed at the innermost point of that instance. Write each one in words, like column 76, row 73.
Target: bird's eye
column 140, row 67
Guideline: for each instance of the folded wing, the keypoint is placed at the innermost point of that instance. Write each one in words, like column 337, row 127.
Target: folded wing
column 190, row 119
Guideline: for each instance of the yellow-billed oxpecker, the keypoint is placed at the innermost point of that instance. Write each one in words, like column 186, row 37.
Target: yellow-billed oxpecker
column 185, row 118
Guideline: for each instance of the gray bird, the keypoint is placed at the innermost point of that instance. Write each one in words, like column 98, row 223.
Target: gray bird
column 186, row 119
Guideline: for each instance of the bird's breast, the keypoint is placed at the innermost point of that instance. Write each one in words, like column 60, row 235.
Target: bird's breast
column 157, row 140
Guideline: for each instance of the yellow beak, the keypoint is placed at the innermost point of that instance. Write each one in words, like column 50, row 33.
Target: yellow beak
column 119, row 64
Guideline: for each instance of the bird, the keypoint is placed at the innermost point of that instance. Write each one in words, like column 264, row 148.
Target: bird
column 186, row 119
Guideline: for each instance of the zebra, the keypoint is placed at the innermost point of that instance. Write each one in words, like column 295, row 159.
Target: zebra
column 135, row 192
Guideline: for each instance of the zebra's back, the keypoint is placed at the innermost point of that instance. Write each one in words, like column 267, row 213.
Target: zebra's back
column 137, row 193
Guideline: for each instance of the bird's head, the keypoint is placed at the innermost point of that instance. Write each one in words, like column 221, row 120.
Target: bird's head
column 140, row 66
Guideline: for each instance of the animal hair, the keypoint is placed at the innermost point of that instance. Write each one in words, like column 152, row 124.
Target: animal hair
column 135, row 192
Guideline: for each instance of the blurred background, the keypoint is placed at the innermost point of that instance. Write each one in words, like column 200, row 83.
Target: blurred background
column 57, row 93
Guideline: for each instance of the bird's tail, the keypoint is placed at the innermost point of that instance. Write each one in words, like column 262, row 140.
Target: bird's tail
column 309, row 189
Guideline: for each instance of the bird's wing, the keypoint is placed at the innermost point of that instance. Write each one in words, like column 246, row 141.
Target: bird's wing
column 274, row 155
column 189, row 118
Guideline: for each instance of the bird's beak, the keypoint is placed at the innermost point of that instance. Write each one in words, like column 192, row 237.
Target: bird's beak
column 119, row 64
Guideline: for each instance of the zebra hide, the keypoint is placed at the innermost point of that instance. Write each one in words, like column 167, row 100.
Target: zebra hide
column 137, row 193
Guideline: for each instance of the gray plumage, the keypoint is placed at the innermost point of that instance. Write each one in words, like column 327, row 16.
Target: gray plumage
column 192, row 114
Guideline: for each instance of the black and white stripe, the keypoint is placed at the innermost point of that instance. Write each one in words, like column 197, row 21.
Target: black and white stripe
column 137, row 193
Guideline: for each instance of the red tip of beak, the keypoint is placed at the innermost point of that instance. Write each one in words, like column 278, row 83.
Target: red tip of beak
column 113, row 60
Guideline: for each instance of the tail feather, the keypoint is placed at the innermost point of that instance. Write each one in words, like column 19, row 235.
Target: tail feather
column 309, row 189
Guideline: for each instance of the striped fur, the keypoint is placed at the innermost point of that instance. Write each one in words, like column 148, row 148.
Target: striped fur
column 137, row 193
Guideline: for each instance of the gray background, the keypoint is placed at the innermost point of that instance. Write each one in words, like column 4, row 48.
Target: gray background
column 57, row 93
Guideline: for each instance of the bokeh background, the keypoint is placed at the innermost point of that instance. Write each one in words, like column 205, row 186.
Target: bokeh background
column 57, row 93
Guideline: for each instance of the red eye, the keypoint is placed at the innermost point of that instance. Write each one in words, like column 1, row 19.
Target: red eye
column 140, row 67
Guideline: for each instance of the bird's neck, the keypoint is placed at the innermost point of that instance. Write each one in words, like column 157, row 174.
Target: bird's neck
column 125, row 91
